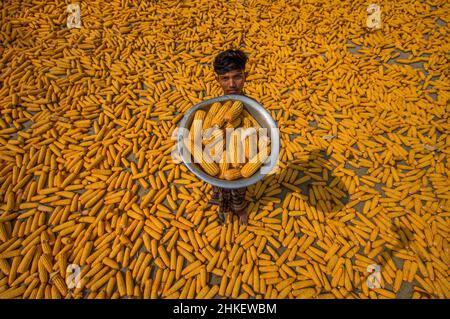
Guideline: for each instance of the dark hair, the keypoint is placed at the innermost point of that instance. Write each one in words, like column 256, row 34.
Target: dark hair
column 230, row 60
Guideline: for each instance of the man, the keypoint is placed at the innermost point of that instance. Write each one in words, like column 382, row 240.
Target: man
column 230, row 74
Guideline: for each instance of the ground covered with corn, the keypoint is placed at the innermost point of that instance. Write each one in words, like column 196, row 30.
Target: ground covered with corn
column 87, row 178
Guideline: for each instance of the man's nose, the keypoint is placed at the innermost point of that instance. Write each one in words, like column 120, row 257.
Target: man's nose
column 232, row 83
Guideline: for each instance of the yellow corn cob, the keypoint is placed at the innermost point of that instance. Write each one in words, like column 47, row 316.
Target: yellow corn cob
column 3, row 233
column 213, row 152
column 212, row 135
column 246, row 123
column 219, row 118
column 59, row 283
column 254, row 164
column 196, row 127
column 234, row 111
column 4, row 266
column 205, row 161
column 252, row 120
column 13, row 292
column 199, row 115
column 240, row 156
column 223, row 165
column 232, row 174
column 235, row 150
column 250, row 168
column 46, row 261
column 234, row 124
column 217, row 149
column 250, row 141
column 215, row 107
column 42, row 272
column 214, row 144
column 26, row 261
column 264, row 145
column 247, row 148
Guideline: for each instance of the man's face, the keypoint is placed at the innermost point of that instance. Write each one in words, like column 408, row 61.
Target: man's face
column 232, row 82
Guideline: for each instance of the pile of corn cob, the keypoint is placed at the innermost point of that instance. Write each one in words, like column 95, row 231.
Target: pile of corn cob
column 87, row 178
column 235, row 158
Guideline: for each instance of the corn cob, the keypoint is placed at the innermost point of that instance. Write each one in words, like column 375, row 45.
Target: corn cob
column 234, row 111
column 232, row 174
column 13, row 292
column 215, row 150
column 46, row 262
column 199, row 117
column 205, row 161
column 46, row 249
column 254, row 164
column 264, row 147
column 234, row 124
column 223, row 165
column 60, row 284
column 215, row 107
column 196, row 127
column 250, row 140
column 3, row 233
column 42, row 272
column 252, row 120
column 246, row 123
column 247, row 146
column 26, row 261
column 236, row 155
column 250, row 168
column 214, row 144
column 4, row 266
column 211, row 134
column 219, row 118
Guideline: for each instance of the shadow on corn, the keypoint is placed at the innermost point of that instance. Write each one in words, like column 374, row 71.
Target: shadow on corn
column 400, row 240
column 325, row 191
column 376, row 275
column 305, row 184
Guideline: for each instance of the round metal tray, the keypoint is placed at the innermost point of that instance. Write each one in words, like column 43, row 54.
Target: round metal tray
column 259, row 113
